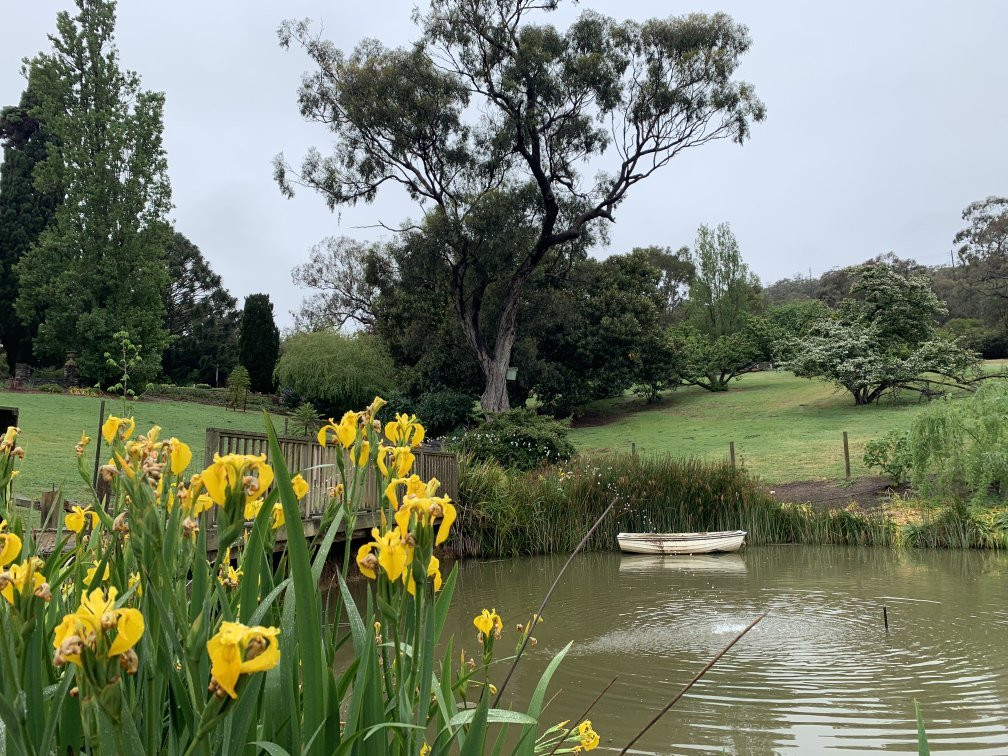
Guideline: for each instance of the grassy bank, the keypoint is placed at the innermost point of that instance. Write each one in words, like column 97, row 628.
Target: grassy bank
column 52, row 423
column 510, row 514
column 784, row 428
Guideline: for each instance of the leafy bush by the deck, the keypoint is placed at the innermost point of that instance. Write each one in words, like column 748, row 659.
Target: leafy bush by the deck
column 519, row 439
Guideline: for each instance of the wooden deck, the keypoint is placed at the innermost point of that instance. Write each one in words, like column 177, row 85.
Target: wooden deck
column 317, row 465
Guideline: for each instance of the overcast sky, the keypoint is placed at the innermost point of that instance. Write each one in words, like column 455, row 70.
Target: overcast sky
column 884, row 121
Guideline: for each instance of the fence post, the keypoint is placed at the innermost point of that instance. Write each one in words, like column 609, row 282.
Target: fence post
column 846, row 455
column 731, row 453
column 633, row 448
column 212, row 445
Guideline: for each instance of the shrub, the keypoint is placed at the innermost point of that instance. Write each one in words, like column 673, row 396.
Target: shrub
column 202, row 385
column 891, row 454
column 49, row 388
column 334, row 371
column 220, row 397
column 518, row 439
column 46, row 375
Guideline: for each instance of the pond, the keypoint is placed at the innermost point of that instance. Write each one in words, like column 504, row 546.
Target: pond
column 819, row 673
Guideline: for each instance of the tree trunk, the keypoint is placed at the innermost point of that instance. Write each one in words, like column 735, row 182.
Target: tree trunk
column 494, row 364
column 495, row 396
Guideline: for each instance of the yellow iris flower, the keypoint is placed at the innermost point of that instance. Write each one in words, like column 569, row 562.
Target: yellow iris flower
column 405, row 430
column 230, row 577
column 589, row 738
column 90, row 574
column 24, row 577
column 77, row 519
column 134, row 579
column 96, row 617
column 278, row 516
column 237, row 471
column 180, row 456
column 85, row 439
column 420, row 500
column 488, row 622
column 122, row 427
column 10, row 545
column 300, row 486
column 252, row 508
column 402, row 460
column 345, row 431
column 238, row 650
column 394, row 555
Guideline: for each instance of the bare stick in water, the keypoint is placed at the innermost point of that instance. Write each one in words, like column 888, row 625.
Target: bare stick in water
column 692, row 682
column 584, row 714
column 549, row 593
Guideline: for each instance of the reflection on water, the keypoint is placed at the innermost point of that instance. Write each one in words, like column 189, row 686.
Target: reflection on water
column 819, row 673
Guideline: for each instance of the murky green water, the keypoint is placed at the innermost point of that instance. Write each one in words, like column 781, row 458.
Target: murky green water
column 819, row 674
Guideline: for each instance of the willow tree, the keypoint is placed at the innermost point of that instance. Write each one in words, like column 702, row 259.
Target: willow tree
column 490, row 107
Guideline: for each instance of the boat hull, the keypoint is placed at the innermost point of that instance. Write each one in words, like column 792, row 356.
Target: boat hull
column 681, row 543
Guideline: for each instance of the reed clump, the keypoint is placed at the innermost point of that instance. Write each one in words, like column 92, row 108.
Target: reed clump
column 506, row 513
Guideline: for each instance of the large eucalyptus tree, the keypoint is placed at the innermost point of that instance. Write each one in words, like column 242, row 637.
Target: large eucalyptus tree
column 493, row 114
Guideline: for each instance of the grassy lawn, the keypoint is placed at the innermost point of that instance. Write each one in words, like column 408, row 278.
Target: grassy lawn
column 51, row 425
column 784, row 428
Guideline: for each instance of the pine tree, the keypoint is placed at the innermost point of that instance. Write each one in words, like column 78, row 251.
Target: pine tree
column 24, row 214
column 99, row 267
column 259, row 346
column 201, row 318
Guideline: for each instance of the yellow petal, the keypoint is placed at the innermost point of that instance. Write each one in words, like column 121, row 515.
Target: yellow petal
column 278, row 516
column 365, row 453
column 181, row 456
column 252, row 508
column 300, row 486
column 392, row 493
column 446, row 521
column 109, row 428
column 268, row 658
column 11, row 547
column 217, row 479
column 225, row 656
column 129, row 628
column 362, row 552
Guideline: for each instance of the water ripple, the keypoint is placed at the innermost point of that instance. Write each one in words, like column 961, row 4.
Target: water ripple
column 819, row 673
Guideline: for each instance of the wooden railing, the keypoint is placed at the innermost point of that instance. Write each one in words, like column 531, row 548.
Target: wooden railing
column 317, row 464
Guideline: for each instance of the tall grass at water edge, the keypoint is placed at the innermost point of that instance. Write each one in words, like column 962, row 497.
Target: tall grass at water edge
column 546, row 511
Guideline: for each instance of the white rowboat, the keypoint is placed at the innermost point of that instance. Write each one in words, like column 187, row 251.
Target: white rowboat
column 681, row 543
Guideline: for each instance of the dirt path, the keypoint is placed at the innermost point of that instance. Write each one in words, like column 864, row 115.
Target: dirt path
column 869, row 491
